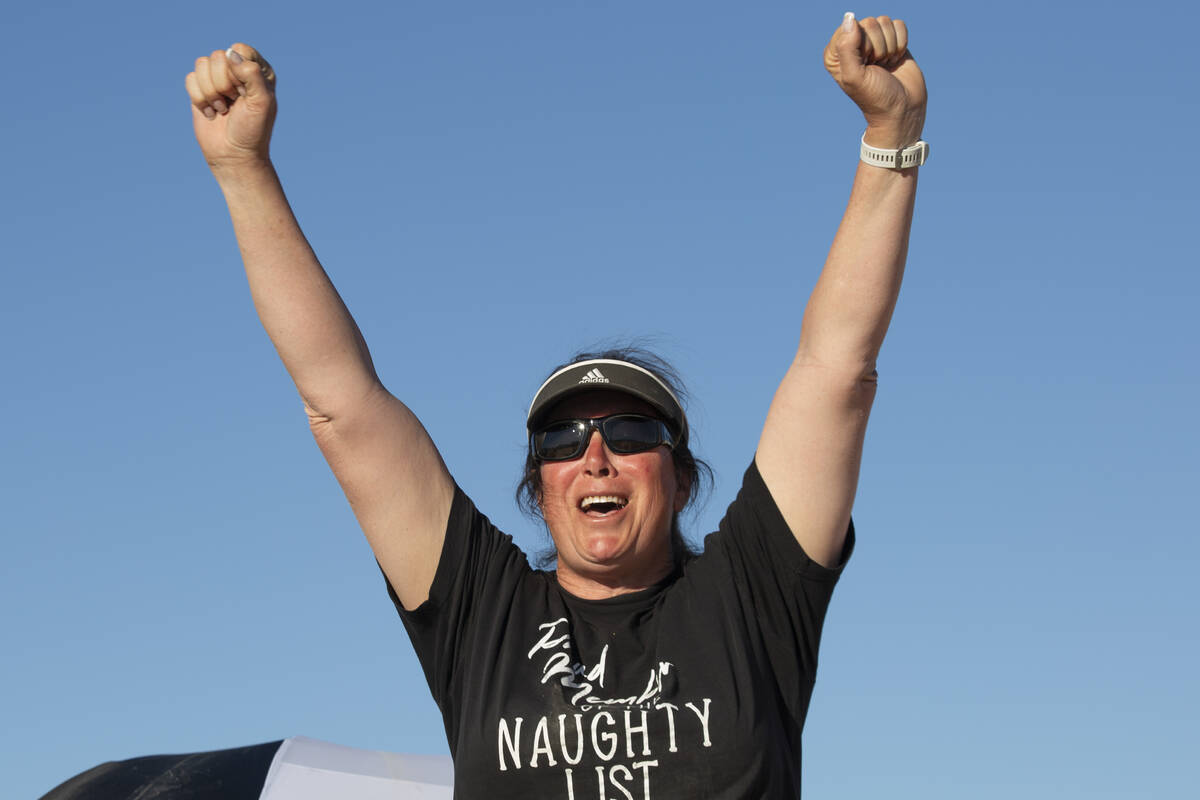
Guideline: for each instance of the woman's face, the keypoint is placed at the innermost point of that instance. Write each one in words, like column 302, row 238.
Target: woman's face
column 610, row 514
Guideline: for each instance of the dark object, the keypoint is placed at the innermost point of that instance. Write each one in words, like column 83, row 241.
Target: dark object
column 613, row 375
column 235, row 774
column 623, row 433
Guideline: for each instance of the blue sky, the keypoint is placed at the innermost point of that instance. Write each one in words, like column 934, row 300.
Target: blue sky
column 492, row 186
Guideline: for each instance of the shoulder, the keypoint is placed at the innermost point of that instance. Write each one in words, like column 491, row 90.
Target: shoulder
column 476, row 557
column 754, row 533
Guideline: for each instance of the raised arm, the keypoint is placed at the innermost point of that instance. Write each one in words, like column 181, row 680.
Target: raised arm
column 811, row 445
column 384, row 460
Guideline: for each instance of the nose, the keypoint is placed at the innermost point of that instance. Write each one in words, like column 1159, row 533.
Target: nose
column 597, row 460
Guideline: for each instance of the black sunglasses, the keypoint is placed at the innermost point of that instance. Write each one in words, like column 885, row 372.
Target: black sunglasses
column 623, row 433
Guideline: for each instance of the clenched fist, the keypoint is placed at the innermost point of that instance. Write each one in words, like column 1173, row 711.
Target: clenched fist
column 869, row 59
column 233, row 106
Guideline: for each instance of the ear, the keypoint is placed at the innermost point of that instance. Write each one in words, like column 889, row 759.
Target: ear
column 683, row 490
column 536, row 489
column 540, row 497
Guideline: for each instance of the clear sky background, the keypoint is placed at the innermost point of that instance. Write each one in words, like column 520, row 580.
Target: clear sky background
column 493, row 185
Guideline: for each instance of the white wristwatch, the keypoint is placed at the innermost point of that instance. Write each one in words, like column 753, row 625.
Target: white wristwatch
column 912, row 156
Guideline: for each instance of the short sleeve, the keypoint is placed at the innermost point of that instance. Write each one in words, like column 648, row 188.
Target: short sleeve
column 755, row 511
column 770, row 589
column 478, row 568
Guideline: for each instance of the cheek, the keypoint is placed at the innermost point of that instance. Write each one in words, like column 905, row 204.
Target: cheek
column 551, row 488
column 663, row 474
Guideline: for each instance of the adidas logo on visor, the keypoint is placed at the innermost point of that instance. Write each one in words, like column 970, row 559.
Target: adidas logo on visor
column 594, row 376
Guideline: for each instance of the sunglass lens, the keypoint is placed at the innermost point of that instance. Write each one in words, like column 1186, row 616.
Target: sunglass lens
column 631, row 434
column 559, row 442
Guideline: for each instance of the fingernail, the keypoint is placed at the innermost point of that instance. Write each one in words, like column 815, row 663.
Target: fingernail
column 848, row 22
column 208, row 112
column 234, row 56
column 220, row 106
column 241, row 90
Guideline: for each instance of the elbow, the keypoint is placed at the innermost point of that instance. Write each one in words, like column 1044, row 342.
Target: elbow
column 850, row 367
column 316, row 419
column 849, row 350
column 324, row 410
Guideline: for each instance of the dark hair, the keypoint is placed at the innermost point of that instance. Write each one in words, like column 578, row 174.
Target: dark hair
column 687, row 466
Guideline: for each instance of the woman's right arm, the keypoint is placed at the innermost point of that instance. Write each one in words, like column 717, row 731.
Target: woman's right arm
column 383, row 458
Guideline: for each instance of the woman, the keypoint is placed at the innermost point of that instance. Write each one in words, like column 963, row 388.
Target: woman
column 632, row 670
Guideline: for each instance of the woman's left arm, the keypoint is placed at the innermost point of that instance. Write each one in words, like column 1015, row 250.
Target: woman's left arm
column 811, row 445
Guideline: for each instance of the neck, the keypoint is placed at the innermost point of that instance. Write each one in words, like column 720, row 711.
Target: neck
column 602, row 587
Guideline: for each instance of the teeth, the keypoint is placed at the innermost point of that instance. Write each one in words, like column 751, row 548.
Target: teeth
column 595, row 499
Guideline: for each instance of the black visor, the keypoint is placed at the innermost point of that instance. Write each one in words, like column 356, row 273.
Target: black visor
column 611, row 375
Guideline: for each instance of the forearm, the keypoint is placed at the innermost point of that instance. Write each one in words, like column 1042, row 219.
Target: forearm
column 850, row 308
column 304, row 316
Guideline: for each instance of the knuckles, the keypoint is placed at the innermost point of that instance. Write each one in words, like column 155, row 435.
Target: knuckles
column 245, row 51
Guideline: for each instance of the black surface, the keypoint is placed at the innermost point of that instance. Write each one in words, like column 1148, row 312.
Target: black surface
column 234, row 774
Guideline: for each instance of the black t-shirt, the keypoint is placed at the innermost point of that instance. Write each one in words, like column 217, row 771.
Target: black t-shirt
column 694, row 688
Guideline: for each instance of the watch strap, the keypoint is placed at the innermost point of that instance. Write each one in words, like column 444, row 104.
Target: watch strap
column 912, row 156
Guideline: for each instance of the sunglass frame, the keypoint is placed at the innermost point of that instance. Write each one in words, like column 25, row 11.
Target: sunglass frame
column 585, row 427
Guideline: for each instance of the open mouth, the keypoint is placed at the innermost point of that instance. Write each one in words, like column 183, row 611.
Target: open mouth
column 601, row 504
